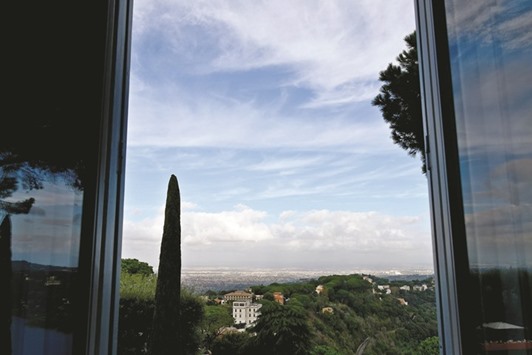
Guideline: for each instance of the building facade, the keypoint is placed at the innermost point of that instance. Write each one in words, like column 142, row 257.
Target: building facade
column 246, row 312
column 238, row 296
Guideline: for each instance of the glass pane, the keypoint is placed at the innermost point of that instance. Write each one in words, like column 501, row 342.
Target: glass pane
column 41, row 196
column 491, row 49
column 45, row 145
column 49, row 145
column 41, row 203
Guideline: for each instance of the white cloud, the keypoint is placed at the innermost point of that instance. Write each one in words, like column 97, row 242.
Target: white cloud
column 200, row 121
column 491, row 95
column 142, row 239
column 499, row 221
column 487, row 21
column 241, row 225
column 335, row 48
column 296, row 236
column 512, row 182
column 283, row 164
column 50, row 233
column 185, row 205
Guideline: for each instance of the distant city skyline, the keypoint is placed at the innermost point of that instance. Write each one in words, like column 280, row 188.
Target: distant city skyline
column 263, row 112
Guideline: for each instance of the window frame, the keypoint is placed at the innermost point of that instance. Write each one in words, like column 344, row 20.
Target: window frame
column 451, row 262
column 100, row 250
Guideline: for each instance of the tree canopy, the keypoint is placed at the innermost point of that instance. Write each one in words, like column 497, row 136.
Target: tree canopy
column 134, row 266
column 214, row 321
column 282, row 330
column 400, row 100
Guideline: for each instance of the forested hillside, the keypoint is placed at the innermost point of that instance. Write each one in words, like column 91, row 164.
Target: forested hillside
column 351, row 313
column 339, row 314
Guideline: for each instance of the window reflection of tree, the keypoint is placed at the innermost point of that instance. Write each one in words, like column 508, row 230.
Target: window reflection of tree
column 51, row 117
column 18, row 174
column 33, row 152
column 5, row 276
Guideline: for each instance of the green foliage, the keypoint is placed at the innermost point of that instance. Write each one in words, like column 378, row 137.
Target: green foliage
column 137, row 286
column 282, row 330
column 377, row 323
column 324, row 350
column 359, row 317
column 429, row 346
column 191, row 313
column 400, row 100
column 268, row 296
column 134, row 266
column 232, row 343
column 216, row 318
column 135, row 323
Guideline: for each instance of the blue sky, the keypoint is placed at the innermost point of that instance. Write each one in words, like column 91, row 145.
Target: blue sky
column 50, row 233
column 262, row 109
column 491, row 47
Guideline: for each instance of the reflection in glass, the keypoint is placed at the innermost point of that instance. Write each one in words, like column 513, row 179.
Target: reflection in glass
column 45, row 146
column 490, row 46
column 40, row 212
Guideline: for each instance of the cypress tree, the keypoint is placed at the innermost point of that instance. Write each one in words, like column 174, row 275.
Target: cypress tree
column 7, row 208
column 164, row 338
column 5, row 276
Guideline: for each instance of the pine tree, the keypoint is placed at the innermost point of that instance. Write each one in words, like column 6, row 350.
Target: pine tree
column 165, row 330
column 400, row 100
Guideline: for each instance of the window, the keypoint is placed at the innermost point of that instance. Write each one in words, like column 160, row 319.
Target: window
column 478, row 89
column 63, row 140
column 61, row 176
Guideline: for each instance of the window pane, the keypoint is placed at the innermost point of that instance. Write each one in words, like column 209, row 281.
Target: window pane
column 491, row 49
column 47, row 151
column 41, row 205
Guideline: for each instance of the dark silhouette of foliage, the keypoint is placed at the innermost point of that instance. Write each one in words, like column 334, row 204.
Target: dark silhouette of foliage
column 5, row 273
column 232, row 343
column 191, row 315
column 282, row 330
column 164, row 338
column 324, row 350
column 215, row 319
column 400, row 100
column 135, row 323
column 134, row 266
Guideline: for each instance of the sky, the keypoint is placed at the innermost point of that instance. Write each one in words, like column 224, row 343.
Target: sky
column 490, row 64
column 262, row 109
column 50, row 233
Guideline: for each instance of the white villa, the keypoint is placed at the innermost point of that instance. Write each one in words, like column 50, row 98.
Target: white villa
column 246, row 312
column 238, row 296
column 420, row 287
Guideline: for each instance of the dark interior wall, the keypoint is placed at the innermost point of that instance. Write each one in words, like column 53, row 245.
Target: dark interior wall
column 55, row 78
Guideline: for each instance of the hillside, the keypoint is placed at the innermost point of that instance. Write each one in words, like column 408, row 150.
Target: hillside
column 329, row 315
column 349, row 311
